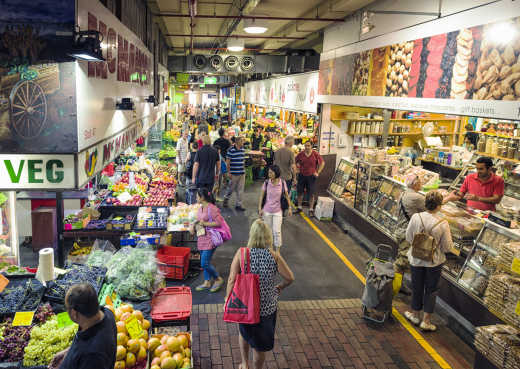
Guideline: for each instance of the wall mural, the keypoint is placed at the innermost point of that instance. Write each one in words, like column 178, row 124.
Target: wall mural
column 37, row 79
column 474, row 63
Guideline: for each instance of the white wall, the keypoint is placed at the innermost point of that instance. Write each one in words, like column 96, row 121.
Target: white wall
column 328, row 126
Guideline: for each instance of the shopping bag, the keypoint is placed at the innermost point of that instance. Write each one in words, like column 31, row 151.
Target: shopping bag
column 216, row 233
column 216, row 237
column 243, row 303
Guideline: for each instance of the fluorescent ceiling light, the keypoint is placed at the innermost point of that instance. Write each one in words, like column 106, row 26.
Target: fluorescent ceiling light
column 235, row 44
column 86, row 56
column 255, row 26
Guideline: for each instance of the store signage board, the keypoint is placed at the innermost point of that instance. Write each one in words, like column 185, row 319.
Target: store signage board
column 515, row 266
column 100, row 85
column 210, row 80
column 3, row 282
column 23, row 318
column 464, row 72
column 135, row 330
column 182, row 78
column 36, row 172
column 297, row 92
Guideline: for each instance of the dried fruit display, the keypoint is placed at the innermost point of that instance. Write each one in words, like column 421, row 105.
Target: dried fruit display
column 436, row 47
column 398, row 69
column 361, row 73
column 461, row 66
column 498, row 73
column 377, row 78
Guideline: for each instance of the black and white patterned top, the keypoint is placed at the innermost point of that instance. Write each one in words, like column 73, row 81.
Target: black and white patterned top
column 264, row 264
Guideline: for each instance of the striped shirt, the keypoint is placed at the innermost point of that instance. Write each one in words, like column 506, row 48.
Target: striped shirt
column 236, row 160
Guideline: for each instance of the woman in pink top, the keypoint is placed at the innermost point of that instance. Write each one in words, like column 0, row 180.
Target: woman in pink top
column 270, row 208
column 208, row 216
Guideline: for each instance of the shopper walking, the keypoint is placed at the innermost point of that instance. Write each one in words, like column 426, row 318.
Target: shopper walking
column 309, row 165
column 267, row 149
column 190, row 182
column 426, row 274
column 270, row 204
column 208, row 216
column 256, row 143
column 95, row 344
column 410, row 203
column 207, row 165
column 182, row 156
column 284, row 158
column 222, row 145
column 235, row 163
column 267, row 264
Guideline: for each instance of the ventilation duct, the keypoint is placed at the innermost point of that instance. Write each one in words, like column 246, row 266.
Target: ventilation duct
column 199, row 61
column 231, row 63
column 216, row 62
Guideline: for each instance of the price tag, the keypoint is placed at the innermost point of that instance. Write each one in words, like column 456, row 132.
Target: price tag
column 23, row 318
column 515, row 266
column 134, row 328
column 3, row 282
column 517, row 310
column 64, row 320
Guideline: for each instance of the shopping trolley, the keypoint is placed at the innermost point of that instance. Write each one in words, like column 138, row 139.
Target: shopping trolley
column 378, row 292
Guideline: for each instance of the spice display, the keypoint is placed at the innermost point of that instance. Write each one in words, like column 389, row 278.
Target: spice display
column 398, row 69
column 496, row 342
column 361, row 69
column 498, row 72
column 461, row 67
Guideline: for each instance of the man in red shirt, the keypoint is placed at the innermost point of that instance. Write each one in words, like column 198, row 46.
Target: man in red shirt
column 309, row 165
column 482, row 189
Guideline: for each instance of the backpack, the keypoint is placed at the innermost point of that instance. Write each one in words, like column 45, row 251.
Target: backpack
column 189, row 165
column 283, row 201
column 424, row 244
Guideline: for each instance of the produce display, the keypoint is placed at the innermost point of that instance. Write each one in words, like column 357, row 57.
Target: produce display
column 159, row 197
column 75, row 274
column 131, row 351
column 170, row 351
column 13, row 340
column 134, row 274
column 99, row 258
column 167, row 152
column 398, row 69
column 46, row 341
column 152, row 218
column 183, row 215
column 21, row 294
column 7, row 269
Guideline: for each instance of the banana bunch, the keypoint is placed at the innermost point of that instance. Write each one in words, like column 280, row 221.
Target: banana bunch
column 78, row 250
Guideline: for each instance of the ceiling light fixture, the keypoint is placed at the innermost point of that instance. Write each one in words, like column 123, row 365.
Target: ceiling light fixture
column 87, row 46
column 235, row 44
column 255, row 26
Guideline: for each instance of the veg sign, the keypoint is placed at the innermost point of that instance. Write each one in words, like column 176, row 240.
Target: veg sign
column 37, row 172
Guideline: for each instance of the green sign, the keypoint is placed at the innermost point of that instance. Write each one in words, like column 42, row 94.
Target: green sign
column 210, row 80
column 182, row 78
column 202, row 86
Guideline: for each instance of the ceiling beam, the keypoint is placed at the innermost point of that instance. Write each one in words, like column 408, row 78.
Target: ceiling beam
column 240, row 17
column 235, row 36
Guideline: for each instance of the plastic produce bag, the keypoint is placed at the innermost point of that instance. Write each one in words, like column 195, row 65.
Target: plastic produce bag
column 134, row 273
column 101, row 253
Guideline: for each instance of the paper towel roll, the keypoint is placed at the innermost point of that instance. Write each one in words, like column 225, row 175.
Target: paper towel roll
column 46, row 264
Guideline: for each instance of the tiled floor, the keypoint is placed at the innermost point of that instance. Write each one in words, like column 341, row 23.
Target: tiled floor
column 318, row 334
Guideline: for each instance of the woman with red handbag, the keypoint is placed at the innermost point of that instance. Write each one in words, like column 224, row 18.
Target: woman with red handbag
column 208, row 218
column 262, row 261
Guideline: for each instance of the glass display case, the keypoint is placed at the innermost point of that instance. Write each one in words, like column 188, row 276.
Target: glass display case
column 9, row 251
column 482, row 260
column 367, row 183
column 384, row 208
column 343, row 184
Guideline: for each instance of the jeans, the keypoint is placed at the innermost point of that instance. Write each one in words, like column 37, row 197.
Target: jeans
column 236, row 185
column 424, row 287
column 274, row 221
column 205, row 263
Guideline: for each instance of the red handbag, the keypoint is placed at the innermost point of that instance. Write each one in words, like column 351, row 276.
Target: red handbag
column 243, row 304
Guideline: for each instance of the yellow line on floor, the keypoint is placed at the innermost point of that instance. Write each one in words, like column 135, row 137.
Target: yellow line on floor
column 416, row 335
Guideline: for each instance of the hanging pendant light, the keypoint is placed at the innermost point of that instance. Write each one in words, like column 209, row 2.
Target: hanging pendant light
column 235, row 44
column 255, row 26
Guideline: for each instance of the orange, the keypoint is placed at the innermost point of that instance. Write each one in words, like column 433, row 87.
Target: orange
column 173, row 344
column 122, row 339
column 153, row 343
column 185, row 341
column 120, row 353
column 165, row 354
column 119, row 365
column 125, row 316
column 126, row 308
column 159, row 350
column 121, row 327
column 146, row 324
column 141, row 355
column 130, row 360
column 168, row 363
column 179, row 359
column 133, row 346
column 138, row 315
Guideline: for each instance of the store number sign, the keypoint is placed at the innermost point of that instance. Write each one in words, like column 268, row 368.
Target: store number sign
column 26, row 172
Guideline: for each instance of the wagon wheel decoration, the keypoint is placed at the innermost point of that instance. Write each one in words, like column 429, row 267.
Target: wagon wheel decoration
column 28, row 109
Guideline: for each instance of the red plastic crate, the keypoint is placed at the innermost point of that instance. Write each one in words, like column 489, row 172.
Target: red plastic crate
column 171, row 303
column 174, row 262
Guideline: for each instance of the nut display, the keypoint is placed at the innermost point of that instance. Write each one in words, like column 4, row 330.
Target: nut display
column 398, row 69
column 361, row 69
column 461, row 66
column 498, row 72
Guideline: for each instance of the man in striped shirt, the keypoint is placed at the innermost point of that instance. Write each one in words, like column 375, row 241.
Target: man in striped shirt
column 235, row 160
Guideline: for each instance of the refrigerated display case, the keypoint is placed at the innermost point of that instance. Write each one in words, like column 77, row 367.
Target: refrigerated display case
column 343, row 185
column 367, row 183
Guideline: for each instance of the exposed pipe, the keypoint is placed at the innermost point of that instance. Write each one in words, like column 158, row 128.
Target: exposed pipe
column 208, row 2
column 235, row 36
column 192, row 5
column 221, row 48
column 169, row 15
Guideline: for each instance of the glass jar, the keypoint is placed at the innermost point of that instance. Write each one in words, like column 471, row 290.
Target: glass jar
column 494, row 147
column 511, row 149
column 517, row 149
column 489, row 144
column 502, row 148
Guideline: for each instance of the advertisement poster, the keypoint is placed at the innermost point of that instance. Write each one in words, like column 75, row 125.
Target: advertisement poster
column 37, row 90
column 472, row 71
column 297, row 92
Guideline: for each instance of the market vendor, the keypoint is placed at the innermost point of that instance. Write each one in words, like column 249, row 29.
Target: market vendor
column 95, row 343
column 483, row 189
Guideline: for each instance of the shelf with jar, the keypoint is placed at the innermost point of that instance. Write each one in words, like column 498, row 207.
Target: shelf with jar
column 499, row 147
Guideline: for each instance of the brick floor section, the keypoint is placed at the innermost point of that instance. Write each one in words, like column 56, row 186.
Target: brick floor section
column 323, row 334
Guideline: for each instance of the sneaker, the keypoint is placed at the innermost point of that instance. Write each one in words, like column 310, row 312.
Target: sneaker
column 202, row 287
column 217, row 286
column 411, row 317
column 240, row 208
column 428, row 327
